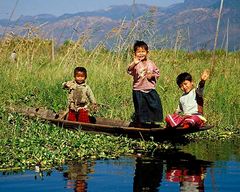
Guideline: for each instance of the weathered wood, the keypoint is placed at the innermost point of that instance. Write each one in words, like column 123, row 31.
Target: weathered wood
column 109, row 126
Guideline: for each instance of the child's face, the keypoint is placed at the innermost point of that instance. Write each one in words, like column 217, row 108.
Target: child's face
column 141, row 54
column 186, row 86
column 80, row 77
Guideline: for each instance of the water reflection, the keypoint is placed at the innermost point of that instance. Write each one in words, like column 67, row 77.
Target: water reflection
column 140, row 174
column 148, row 174
column 163, row 171
column 151, row 173
column 77, row 175
column 178, row 167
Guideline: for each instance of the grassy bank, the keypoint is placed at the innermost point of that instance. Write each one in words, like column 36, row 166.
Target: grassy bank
column 35, row 80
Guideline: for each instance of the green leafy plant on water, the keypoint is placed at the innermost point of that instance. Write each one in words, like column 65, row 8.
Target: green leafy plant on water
column 26, row 143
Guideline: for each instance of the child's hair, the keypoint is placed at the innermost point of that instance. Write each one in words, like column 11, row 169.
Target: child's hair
column 138, row 44
column 183, row 77
column 80, row 69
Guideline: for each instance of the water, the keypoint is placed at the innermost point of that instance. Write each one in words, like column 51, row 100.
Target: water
column 167, row 171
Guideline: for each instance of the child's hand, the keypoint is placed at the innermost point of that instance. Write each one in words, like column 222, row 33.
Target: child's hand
column 68, row 85
column 136, row 60
column 64, row 85
column 205, row 75
column 95, row 107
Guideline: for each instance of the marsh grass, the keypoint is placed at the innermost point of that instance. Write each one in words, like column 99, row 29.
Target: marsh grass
column 36, row 80
column 40, row 84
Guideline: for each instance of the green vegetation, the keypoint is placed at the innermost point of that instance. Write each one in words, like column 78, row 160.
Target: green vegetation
column 35, row 79
column 29, row 143
column 214, row 150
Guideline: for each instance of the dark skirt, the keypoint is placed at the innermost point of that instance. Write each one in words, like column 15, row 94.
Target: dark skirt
column 148, row 107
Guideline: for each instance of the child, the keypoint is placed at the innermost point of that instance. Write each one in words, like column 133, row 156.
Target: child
column 147, row 103
column 190, row 104
column 80, row 95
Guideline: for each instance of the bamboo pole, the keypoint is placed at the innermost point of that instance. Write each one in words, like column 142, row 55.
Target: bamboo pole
column 226, row 45
column 189, row 39
column 11, row 15
column 216, row 39
column 52, row 49
column 133, row 12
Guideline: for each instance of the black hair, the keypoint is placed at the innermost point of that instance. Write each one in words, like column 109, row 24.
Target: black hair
column 80, row 69
column 138, row 44
column 183, row 77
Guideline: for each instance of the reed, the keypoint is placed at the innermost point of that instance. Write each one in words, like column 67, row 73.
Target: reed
column 35, row 79
column 41, row 77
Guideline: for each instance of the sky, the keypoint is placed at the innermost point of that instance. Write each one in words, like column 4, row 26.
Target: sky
column 12, row 9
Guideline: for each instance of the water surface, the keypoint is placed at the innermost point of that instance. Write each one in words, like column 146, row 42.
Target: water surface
column 165, row 171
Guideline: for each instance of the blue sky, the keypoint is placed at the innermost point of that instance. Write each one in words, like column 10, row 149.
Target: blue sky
column 59, row 7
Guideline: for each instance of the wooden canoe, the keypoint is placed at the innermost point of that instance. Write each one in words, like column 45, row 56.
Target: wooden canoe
column 110, row 126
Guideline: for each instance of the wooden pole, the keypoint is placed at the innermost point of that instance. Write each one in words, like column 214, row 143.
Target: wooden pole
column 226, row 45
column 133, row 12
column 216, row 39
column 189, row 40
column 53, row 55
column 14, row 8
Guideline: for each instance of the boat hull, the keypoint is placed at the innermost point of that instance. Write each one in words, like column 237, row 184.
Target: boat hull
column 110, row 126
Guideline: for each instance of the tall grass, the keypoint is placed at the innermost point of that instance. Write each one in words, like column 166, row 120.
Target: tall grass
column 37, row 82
column 35, row 79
